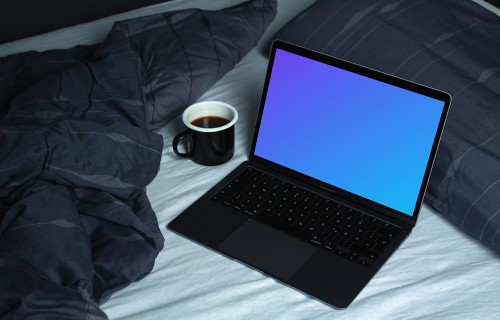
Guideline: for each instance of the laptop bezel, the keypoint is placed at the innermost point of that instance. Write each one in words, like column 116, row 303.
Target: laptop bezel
column 368, row 72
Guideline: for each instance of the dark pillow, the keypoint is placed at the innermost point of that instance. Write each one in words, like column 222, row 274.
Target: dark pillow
column 447, row 44
column 182, row 54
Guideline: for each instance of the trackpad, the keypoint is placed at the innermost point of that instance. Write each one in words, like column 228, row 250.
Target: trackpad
column 266, row 249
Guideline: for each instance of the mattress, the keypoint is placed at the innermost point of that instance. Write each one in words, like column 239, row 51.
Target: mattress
column 438, row 272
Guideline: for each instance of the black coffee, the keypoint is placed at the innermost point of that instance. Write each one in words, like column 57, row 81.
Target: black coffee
column 210, row 122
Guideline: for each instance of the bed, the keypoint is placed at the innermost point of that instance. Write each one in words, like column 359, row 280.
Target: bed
column 449, row 267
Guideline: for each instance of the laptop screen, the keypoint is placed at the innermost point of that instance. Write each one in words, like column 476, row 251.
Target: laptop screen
column 362, row 135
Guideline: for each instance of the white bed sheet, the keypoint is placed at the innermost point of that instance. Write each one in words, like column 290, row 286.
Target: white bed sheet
column 437, row 273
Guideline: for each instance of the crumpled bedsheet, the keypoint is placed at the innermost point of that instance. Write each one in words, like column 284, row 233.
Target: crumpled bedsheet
column 78, row 148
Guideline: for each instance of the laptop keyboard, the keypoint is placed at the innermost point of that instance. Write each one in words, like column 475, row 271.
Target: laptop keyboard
column 339, row 229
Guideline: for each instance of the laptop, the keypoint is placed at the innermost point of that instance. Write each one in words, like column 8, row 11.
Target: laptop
column 335, row 177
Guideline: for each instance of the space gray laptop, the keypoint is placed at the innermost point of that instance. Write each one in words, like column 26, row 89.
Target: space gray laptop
column 337, row 170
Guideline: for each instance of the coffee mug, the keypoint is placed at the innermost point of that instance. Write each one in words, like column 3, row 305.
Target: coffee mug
column 210, row 137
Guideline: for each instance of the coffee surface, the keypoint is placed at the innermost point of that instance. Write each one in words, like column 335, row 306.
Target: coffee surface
column 210, row 122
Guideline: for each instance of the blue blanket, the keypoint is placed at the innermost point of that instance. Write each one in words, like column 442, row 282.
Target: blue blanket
column 78, row 147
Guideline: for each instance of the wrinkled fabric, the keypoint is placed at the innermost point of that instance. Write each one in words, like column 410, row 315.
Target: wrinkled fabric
column 78, row 147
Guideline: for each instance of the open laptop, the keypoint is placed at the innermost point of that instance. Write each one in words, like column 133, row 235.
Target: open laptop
column 337, row 170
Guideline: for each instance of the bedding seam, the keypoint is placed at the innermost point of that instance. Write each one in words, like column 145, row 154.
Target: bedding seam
column 169, row 22
column 204, row 17
column 138, row 52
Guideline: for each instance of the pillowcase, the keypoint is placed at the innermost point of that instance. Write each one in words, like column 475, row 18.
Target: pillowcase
column 446, row 44
column 185, row 52
column 182, row 54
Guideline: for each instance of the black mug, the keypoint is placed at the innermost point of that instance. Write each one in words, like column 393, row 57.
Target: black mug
column 210, row 137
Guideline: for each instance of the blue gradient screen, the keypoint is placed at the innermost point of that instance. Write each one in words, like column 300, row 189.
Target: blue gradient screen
column 353, row 132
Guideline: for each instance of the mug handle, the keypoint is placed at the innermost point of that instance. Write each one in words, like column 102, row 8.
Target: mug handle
column 176, row 141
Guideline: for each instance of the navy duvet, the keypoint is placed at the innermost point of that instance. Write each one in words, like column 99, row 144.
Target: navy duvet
column 78, row 147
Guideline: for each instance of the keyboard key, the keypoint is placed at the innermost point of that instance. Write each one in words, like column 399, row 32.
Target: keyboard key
column 249, row 212
column 364, row 263
column 353, row 256
column 300, row 224
column 317, row 240
column 340, row 252
column 329, row 245
column 345, row 243
column 289, row 219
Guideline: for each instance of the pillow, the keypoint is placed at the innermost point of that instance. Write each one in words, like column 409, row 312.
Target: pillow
column 186, row 52
column 181, row 53
column 446, row 44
